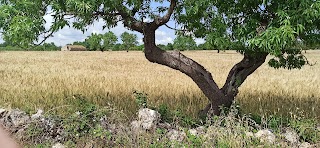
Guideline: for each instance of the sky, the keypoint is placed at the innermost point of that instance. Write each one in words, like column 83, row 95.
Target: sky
column 69, row 35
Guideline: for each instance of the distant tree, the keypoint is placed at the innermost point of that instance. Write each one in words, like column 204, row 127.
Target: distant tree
column 81, row 43
column 6, row 46
column 169, row 46
column 203, row 46
column 129, row 40
column 46, row 47
column 117, row 47
column 109, row 40
column 184, row 43
column 7, row 43
column 218, row 41
column 94, row 42
column 3, row 44
column 138, row 48
column 50, row 47
column 161, row 46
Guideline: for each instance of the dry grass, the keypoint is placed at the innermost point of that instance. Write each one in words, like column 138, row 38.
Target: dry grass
column 31, row 80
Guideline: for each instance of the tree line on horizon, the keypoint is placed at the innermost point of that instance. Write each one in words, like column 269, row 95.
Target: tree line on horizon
column 7, row 46
column 109, row 42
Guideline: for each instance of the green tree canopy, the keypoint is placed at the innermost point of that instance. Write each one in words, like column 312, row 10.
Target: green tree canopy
column 169, row 46
column 94, row 42
column 250, row 26
column 109, row 40
column 47, row 47
column 205, row 46
column 81, row 43
column 116, row 47
column 129, row 40
column 255, row 28
column 216, row 42
column 184, row 43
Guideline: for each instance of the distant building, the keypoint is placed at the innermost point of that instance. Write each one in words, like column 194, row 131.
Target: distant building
column 73, row 48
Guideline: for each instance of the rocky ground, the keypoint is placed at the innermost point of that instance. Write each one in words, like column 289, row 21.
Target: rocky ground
column 148, row 121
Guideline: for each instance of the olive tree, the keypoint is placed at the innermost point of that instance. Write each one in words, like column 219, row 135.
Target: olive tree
column 255, row 28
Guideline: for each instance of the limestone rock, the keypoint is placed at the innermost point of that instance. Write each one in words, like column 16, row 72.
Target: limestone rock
column 2, row 111
column 164, row 125
column 2, row 115
column 37, row 115
column 136, row 126
column 175, row 135
column 149, row 118
column 249, row 134
column 291, row 136
column 197, row 131
column 305, row 145
column 18, row 117
column 265, row 136
column 58, row 145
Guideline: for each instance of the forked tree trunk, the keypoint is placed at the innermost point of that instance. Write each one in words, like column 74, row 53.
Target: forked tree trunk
column 175, row 60
column 204, row 80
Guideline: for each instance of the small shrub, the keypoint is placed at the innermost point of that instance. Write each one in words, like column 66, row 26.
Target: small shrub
column 223, row 143
column 275, row 122
column 166, row 115
column 141, row 99
column 194, row 141
column 86, row 121
column 306, row 129
column 183, row 119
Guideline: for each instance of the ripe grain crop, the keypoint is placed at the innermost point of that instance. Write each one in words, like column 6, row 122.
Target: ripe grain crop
column 51, row 80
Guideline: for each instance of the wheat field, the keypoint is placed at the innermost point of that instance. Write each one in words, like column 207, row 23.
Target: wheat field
column 50, row 80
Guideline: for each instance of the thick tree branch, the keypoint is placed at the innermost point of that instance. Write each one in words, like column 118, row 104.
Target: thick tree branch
column 101, row 13
column 175, row 28
column 129, row 21
column 236, row 77
column 49, row 34
column 241, row 71
column 163, row 20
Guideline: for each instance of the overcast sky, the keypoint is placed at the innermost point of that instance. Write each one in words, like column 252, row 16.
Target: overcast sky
column 69, row 35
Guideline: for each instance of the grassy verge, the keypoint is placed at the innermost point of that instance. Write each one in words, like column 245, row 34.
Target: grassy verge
column 95, row 126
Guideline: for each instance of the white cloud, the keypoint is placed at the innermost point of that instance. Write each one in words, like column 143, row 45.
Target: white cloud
column 199, row 41
column 68, row 35
column 140, row 42
column 1, row 40
column 147, row 20
column 163, row 38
